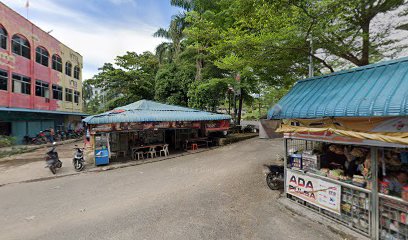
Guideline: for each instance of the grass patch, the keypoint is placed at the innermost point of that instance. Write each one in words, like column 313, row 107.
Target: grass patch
column 15, row 151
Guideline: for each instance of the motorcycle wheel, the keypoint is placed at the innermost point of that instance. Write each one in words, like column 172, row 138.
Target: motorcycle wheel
column 53, row 170
column 78, row 165
column 274, row 181
column 58, row 164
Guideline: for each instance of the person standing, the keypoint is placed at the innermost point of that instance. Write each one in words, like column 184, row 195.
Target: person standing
column 51, row 136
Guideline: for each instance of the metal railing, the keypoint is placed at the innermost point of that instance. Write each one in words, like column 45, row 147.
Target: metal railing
column 355, row 207
column 300, row 145
column 393, row 218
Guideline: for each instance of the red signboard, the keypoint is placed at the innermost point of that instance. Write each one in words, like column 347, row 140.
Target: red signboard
column 222, row 125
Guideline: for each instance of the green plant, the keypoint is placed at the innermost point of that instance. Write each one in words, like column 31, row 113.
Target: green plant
column 6, row 141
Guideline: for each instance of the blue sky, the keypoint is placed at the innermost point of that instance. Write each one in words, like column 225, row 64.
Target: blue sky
column 99, row 30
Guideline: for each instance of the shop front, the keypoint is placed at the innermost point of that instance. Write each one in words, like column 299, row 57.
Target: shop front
column 149, row 129
column 339, row 178
column 346, row 144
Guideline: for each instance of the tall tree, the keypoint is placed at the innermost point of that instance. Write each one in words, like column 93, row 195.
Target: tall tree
column 174, row 34
column 129, row 79
column 172, row 83
column 347, row 29
column 208, row 95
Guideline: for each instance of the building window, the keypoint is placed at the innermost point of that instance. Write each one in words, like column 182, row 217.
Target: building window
column 76, row 96
column 21, row 46
column 68, row 69
column 68, row 95
column 42, row 89
column 56, row 63
column 56, row 92
column 3, row 80
column 21, row 84
column 3, row 38
column 76, row 72
column 41, row 56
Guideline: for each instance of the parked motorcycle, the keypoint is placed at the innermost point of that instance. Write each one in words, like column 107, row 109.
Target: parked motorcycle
column 52, row 160
column 61, row 135
column 40, row 138
column 29, row 140
column 274, row 176
column 78, row 161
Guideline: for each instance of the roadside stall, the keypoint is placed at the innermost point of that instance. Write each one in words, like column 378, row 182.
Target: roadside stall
column 346, row 144
column 147, row 129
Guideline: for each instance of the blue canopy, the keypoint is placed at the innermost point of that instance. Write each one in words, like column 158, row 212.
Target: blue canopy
column 149, row 111
column 374, row 90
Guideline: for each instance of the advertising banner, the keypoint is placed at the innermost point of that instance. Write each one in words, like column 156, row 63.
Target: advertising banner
column 323, row 194
column 221, row 125
column 101, row 128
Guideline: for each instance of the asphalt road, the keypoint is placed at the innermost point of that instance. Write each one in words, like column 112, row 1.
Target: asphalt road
column 218, row 194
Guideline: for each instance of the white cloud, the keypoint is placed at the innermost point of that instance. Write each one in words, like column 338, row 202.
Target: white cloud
column 97, row 40
column 118, row 2
column 103, row 44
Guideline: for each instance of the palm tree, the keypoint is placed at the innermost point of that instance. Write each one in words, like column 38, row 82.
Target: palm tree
column 164, row 52
column 174, row 33
column 185, row 4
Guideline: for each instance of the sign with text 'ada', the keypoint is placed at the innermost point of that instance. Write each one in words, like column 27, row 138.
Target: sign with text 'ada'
column 315, row 191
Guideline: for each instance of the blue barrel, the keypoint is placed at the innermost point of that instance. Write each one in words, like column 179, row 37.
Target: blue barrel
column 101, row 157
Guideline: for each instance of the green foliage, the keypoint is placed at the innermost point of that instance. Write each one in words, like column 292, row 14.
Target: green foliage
column 172, row 83
column 272, row 95
column 168, row 51
column 129, row 79
column 7, row 141
column 266, row 43
column 208, row 95
column 346, row 29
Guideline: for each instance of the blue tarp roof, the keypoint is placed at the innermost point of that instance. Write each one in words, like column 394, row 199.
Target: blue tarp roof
column 149, row 111
column 374, row 90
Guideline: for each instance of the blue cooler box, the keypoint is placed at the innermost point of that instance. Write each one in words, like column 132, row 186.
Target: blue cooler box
column 101, row 157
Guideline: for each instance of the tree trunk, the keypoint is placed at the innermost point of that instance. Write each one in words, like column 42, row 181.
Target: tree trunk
column 240, row 108
column 235, row 108
column 199, row 67
column 366, row 44
column 259, row 106
column 229, row 103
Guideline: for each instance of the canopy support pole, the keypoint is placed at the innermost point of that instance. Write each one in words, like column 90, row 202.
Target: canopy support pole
column 375, row 224
column 285, row 164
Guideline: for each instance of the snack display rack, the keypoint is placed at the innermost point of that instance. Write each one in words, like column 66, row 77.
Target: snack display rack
column 393, row 218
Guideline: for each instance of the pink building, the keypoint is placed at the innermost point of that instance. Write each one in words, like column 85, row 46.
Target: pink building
column 40, row 79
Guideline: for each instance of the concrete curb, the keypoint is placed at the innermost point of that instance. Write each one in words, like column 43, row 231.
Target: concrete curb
column 117, row 166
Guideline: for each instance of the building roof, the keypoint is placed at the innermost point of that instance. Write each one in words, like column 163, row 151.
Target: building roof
column 7, row 109
column 374, row 90
column 149, row 111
